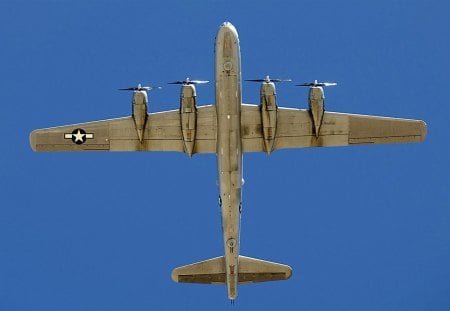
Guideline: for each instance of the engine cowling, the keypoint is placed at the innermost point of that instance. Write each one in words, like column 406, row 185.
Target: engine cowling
column 140, row 107
column 188, row 116
column 268, row 114
column 316, row 103
column 316, row 107
column 140, row 112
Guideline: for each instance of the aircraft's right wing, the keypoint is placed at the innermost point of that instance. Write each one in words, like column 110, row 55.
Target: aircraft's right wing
column 295, row 130
column 162, row 133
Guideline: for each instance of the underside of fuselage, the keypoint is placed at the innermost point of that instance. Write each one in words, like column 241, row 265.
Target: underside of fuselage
column 230, row 269
column 229, row 151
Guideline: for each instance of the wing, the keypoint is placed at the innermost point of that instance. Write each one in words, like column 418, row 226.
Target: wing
column 162, row 133
column 295, row 130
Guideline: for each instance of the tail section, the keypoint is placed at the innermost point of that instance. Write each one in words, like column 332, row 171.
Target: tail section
column 252, row 270
column 212, row 271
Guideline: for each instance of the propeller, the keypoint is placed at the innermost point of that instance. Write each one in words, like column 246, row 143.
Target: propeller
column 268, row 80
column 316, row 83
column 141, row 88
column 189, row 82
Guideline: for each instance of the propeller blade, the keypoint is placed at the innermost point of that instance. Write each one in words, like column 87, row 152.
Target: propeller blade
column 280, row 80
column 128, row 89
column 268, row 80
column 255, row 80
column 316, row 83
column 141, row 88
column 189, row 82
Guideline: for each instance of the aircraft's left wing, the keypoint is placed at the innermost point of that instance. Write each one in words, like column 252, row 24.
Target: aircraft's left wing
column 295, row 129
column 162, row 133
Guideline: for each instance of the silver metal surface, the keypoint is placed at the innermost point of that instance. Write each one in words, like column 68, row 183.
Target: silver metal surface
column 188, row 116
column 229, row 151
column 228, row 129
column 268, row 102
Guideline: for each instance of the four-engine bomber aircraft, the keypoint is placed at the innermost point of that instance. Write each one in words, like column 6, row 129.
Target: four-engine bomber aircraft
column 229, row 128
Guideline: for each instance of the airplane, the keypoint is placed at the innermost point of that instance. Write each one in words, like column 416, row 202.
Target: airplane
column 229, row 128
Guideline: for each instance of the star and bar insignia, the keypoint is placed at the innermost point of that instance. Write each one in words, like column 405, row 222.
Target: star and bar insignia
column 79, row 136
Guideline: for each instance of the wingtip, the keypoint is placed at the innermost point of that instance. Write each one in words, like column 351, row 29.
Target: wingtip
column 423, row 130
column 289, row 273
column 174, row 275
column 33, row 140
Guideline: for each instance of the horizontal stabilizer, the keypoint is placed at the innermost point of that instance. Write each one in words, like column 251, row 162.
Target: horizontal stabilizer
column 212, row 271
column 252, row 270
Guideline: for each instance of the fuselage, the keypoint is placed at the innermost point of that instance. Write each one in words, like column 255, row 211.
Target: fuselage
column 229, row 151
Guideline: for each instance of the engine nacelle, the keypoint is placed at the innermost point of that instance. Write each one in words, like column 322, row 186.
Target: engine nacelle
column 268, row 114
column 140, row 112
column 188, row 116
column 316, row 107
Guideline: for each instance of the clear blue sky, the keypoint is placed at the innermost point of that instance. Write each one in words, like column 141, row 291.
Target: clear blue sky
column 364, row 228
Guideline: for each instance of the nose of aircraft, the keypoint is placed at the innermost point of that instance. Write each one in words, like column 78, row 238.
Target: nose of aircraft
column 229, row 26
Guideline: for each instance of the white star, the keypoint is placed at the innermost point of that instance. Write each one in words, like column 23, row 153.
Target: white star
column 78, row 136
